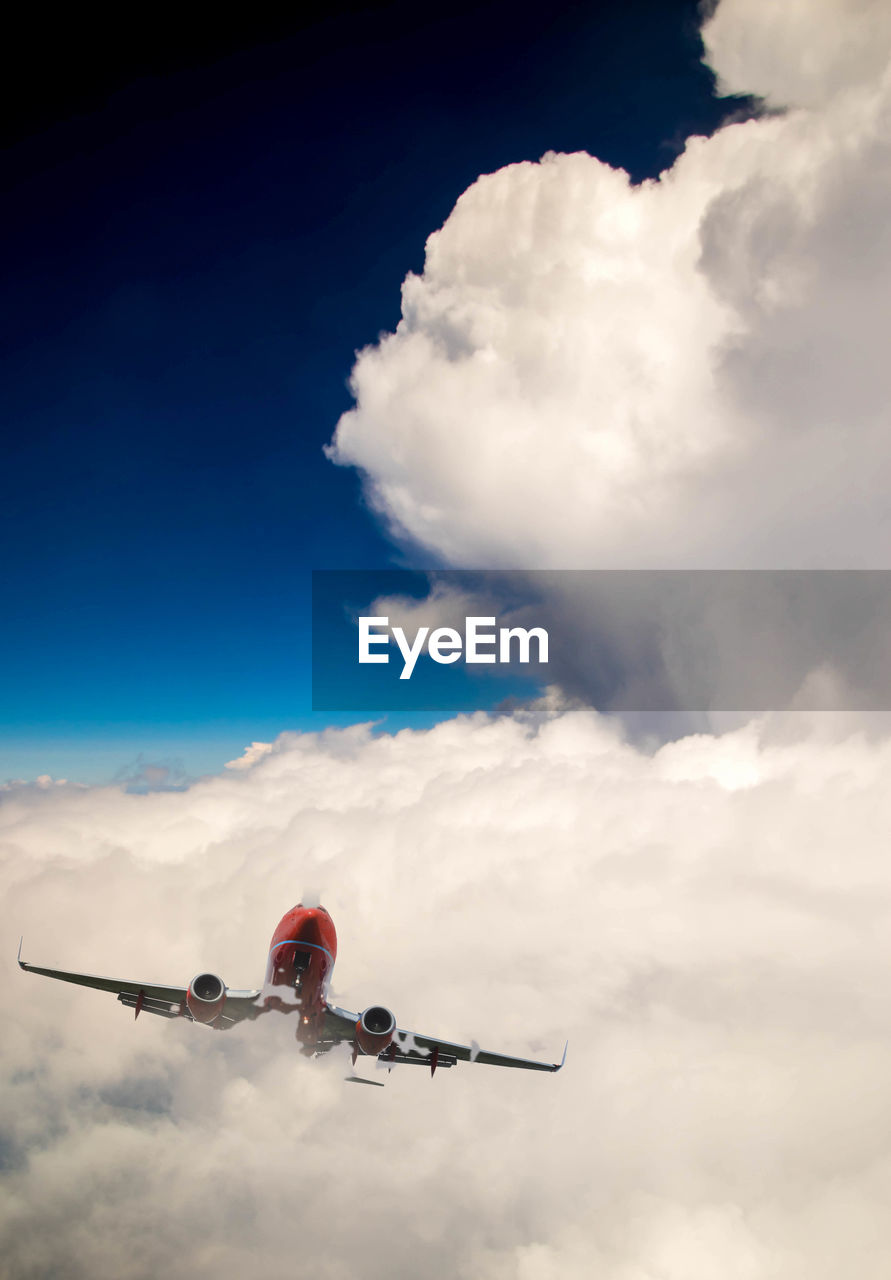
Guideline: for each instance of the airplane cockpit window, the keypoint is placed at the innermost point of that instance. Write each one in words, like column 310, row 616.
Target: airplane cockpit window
column 301, row 960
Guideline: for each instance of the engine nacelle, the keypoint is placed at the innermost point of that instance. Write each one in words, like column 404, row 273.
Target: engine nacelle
column 375, row 1029
column 206, row 997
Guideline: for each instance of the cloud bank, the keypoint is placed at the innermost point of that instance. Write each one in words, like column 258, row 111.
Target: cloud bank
column 685, row 373
column 708, row 925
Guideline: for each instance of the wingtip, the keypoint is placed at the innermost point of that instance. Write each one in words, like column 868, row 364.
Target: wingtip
column 562, row 1061
column 19, row 956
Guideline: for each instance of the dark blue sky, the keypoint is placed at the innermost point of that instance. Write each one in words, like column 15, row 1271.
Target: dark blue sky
column 200, row 230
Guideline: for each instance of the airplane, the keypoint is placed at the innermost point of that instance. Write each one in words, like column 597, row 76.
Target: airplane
column 298, row 974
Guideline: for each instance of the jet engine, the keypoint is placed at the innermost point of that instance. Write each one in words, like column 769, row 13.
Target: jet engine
column 375, row 1029
column 206, row 997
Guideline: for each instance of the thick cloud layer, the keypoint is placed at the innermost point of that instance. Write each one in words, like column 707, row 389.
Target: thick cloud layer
column 709, row 925
column 690, row 372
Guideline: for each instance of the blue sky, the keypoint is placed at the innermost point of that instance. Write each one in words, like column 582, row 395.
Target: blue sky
column 200, row 232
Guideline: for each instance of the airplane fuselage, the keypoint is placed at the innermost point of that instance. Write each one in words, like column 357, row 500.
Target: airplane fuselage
column 298, row 971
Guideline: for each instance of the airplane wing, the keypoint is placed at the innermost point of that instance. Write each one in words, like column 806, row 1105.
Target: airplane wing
column 150, row 997
column 409, row 1048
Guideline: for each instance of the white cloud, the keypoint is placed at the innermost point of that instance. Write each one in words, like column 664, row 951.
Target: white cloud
column 250, row 756
column 689, row 372
column 705, row 923
column 801, row 52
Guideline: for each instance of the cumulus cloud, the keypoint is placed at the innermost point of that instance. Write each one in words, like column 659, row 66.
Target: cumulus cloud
column 689, row 372
column 706, row 923
column 250, row 755
column 801, row 53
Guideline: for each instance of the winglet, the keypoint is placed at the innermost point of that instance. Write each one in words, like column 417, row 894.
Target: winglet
column 19, row 956
column 563, row 1059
